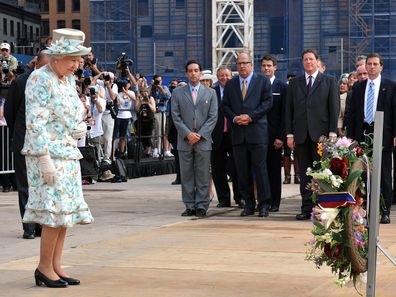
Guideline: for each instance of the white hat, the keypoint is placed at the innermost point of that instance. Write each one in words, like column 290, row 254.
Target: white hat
column 208, row 76
column 67, row 42
column 5, row 45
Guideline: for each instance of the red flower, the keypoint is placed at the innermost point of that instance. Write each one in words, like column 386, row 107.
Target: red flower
column 339, row 167
column 359, row 151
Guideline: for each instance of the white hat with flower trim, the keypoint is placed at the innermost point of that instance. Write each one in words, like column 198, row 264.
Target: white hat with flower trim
column 67, row 42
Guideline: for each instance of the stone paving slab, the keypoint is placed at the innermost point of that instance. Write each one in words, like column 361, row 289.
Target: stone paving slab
column 140, row 246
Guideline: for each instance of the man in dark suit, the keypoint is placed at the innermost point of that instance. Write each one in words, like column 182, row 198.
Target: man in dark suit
column 276, row 130
column 246, row 101
column 312, row 110
column 376, row 93
column 15, row 115
column 222, row 154
column 194, row 113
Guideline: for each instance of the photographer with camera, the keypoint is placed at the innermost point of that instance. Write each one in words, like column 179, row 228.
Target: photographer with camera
column 126, row 103
column 161, row 96
column 91, row 63
column 109, row 115
column 145, row 106
column 97, row 105
column 8, row 64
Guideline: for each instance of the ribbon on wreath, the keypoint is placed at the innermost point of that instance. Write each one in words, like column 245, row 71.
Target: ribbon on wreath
column 335, row 199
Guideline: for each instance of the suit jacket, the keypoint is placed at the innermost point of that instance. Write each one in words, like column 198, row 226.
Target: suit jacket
column 189, row 117
column 276, row 116
column 257, row 103
column 14, row 111
column 314, row 114
column 218, row 131
column 386, row 102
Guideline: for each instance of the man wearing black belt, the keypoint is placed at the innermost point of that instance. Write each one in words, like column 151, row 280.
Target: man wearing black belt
column 376, row 94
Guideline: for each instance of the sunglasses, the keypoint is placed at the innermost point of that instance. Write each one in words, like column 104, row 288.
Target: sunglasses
column 4, row 50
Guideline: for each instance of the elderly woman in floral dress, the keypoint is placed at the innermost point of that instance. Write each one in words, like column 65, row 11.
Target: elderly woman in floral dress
column 54, row 123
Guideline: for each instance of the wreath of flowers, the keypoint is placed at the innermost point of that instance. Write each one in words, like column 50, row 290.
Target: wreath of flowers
column 340, row 230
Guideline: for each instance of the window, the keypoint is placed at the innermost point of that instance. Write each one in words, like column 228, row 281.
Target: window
column 37, row 33
column 30, row 33
column 143, row 8
column 146, row 31
column 44, row 6
column 60, row 24
column 168, row 54
column 45, row 27
column 18, row 30
column 24, row 33
column 61, row 6
column 76, row 5
column 12, row 32
column 180, row 3
column 5, row 30
column 76, row 24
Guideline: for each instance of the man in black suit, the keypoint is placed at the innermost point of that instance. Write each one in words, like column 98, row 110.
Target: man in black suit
column 222, row 155
column 15, row 115
column 376, row 93
column 312, row 110
column 276, row 131
column 246, row 101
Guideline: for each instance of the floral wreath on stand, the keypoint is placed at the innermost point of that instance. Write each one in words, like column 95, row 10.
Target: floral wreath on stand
column 340, row 227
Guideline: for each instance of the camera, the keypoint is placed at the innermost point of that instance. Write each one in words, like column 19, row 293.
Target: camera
column 157, row 82
column 87, row 81
column 4, row 67
column 78, row 72
column 106, row 77
column 122, row 63
column 92, row 91
column 111, row 107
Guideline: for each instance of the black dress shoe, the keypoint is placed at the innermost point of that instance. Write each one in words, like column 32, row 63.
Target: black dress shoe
column 200, row 213
column 223, row 205
column 42, row 279
column 303, row 216
column 274, row 209
column 27, row 235
column 176, row 182
column 71, row 281
column 263, row 213
column 246, row 213
column 6, row 189
column 385, row 219
column 188, row 213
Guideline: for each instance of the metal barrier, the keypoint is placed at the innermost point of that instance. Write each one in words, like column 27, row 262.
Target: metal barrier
column 6, row 154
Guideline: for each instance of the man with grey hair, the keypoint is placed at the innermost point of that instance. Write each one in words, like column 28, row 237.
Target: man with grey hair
column 360, row 60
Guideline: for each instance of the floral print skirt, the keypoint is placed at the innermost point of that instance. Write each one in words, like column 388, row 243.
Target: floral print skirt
column 60, row 205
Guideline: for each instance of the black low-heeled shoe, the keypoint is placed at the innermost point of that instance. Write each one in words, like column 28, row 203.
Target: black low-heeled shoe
column 42, row 279
column 71, row 281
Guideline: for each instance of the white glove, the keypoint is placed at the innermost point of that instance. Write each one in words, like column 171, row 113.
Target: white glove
column 80, row 131
column 47, row 169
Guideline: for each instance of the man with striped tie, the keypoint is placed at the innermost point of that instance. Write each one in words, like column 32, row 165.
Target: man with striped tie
column 376, row 94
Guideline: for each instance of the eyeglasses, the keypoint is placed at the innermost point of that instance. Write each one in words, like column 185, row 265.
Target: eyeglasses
column 4, row 50
column 243, row 63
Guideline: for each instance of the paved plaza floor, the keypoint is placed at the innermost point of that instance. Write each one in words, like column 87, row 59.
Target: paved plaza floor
column 140, row 246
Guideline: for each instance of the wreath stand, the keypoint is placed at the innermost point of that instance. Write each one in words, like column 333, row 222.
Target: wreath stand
column 373, row 207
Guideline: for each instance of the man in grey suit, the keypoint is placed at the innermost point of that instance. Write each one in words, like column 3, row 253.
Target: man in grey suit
column 312, row 108
column 194, row 113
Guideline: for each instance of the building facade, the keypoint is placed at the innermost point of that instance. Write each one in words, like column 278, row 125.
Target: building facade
column 20, row 28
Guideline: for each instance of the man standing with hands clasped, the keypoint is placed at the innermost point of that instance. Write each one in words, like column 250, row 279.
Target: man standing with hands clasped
column 376, row 93
column 246, row 101
column 194, row 113
column 312, row 109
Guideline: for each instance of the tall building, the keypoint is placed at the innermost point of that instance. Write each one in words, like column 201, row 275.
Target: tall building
column 160, row 36
column 64, row 14
column 19, row 27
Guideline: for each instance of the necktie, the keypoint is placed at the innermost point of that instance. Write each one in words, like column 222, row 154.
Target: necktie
column 244, row 89
column 194, row 95
column 370, row 103
column 309, row 85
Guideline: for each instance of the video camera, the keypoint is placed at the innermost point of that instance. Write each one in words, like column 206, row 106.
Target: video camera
column 4, row 66
column 122, row 63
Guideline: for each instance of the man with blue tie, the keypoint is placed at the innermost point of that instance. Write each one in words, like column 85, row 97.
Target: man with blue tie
column 246, row 101
column 194, row 113
column 368, row 96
